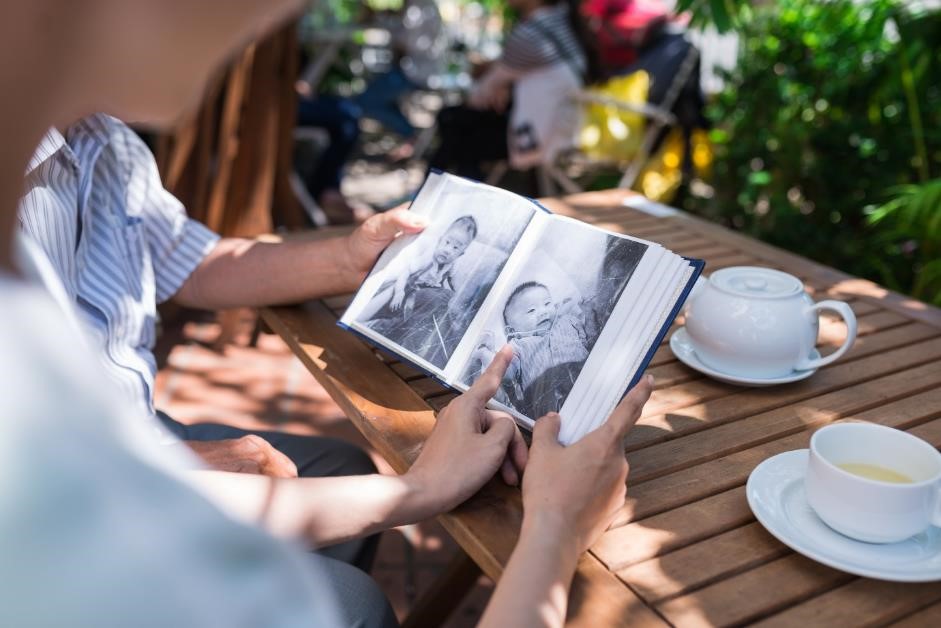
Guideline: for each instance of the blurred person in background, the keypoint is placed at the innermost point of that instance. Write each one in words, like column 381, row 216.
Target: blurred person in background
column 623, row 28
column 101, row 526
column 339, row 118
column 520, row 106
column 419, row 45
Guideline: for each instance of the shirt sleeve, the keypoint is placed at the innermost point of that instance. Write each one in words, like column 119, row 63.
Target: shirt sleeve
column 177, row 243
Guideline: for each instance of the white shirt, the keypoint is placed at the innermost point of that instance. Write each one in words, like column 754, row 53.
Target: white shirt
column 94, row 529
column 120, row 243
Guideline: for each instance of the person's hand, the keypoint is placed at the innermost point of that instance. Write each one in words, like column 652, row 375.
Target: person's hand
column 248, row 454
column 364, row 245
column 574, row 492
column 500, row 98
column 469, row 444
column 398, row 297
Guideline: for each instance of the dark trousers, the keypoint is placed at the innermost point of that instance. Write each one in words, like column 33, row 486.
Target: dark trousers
column 380, row 101
column 339, row 117
column 314, row 457
column 467, row 138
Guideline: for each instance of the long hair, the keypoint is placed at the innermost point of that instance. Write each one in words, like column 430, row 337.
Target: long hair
column 593, row 72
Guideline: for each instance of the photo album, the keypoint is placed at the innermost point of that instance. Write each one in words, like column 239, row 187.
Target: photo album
column 583, row 308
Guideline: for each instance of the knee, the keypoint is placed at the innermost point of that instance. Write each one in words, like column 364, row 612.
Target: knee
column 354, row 461
column 338, row 458
column 361, row 602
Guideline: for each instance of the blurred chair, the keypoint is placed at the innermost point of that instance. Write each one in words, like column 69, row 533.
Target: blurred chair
column 627, row 119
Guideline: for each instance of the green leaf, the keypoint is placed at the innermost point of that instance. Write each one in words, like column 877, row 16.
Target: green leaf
column 761, row 177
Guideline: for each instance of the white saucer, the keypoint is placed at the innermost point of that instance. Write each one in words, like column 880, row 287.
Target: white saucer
column 683, row 349
column 775, row 493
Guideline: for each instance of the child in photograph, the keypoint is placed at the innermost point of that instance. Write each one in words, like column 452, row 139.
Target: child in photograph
column 422, row 293
column 549, row 346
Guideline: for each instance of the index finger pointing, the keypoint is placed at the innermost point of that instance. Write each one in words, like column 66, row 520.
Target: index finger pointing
column 628, row 411
column 487, row 384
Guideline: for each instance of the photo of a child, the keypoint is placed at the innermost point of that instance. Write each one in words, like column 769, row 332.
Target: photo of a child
column 427, row 275
column 552, row 317
column 430, row 296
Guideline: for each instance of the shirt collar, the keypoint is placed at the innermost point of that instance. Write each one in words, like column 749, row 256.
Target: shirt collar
column 51, row 143
column 94, row 126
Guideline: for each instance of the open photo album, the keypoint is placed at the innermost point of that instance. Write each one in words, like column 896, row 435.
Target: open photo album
column 583, row 308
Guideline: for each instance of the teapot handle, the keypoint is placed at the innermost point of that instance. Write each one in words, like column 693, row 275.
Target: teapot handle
column 846, row 313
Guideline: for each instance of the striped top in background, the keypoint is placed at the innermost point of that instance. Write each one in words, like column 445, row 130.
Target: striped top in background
column 544, row 39
column 118, row 240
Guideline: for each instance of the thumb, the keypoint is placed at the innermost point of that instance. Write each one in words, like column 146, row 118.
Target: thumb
column 546, row 432
column 384, row 227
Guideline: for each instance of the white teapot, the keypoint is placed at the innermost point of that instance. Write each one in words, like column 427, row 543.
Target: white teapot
column 757, row 322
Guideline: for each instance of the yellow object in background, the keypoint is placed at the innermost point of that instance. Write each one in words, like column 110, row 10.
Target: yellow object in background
column 612, row 134
column 663, row 173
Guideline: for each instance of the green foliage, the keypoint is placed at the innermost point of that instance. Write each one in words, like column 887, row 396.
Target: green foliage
column 723, row 14
column 833, row 106
column 913, row 217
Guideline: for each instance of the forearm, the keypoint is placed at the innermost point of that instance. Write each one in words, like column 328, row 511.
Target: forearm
column 497, row 77
column 249, row 273
column 323, row 511
column 534, row 588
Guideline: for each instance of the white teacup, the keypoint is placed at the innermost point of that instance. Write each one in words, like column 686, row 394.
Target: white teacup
column 886, row 510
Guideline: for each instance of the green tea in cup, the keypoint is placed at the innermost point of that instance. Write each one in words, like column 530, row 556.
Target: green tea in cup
column 873, row 483
column 875, row 472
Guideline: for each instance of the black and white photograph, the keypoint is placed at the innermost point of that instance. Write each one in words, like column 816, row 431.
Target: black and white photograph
column 552, row 314
column 435, row 286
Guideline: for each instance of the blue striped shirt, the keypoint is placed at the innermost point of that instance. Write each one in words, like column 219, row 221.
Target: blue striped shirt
column 119, row 241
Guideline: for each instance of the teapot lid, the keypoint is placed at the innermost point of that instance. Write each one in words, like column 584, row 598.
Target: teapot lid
column 756, row 282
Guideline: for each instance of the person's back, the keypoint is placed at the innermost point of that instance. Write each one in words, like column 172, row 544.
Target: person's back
column 90, row 533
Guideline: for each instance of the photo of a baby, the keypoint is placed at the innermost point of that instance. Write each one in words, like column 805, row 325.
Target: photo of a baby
column 552, row 317
column 441, row 280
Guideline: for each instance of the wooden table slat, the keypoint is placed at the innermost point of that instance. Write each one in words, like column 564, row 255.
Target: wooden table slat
column 664, row 419
column 751, row 595
column 669, row 491
column 679, row 570
column 862, row 602
column 723, row 440
column 699, row 565
column 929, row 616
column 709, row 499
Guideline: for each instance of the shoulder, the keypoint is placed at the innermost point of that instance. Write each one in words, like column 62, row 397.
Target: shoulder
column 126, row 147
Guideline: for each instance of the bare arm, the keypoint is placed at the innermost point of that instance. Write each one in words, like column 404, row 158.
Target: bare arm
column 323, row 511
column 466, row 436
column 492, row 90
column 570, row 495
column 534, row 588
column 248, row 273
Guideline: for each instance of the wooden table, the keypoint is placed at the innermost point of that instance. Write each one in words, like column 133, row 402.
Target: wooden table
column 686, row 549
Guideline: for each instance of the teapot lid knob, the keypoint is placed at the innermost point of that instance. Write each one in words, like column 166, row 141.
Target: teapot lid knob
column 755, row 282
